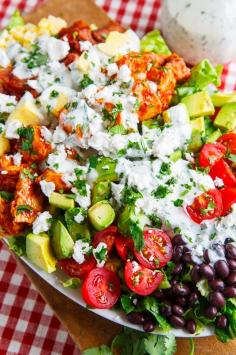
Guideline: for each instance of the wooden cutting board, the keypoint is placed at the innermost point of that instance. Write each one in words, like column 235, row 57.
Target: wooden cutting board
column 86, row 328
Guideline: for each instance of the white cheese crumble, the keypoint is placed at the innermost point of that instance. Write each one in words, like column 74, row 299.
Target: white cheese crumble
column 81, row 249
column 100, row 254
column 7, row 103
column 11, row 129
column 42, row 223
column 47, row 187
column 79, row 218
column 17, row 157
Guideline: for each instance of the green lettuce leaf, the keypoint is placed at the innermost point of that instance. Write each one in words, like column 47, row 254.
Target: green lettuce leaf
column 127, row 304
column 15, row 20
column 18, row 245
column 154, row 42
column 151, row 305
column 204, row 74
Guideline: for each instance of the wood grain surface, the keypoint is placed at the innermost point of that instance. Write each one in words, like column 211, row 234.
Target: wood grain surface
column 86, row 328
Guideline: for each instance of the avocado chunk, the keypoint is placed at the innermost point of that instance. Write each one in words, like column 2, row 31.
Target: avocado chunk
column 62, row 243
column 198, row 124
column 61, row 201
column 38, row 250
column 221, row 98
column 176, row 115
column 76, row 230
column 101, row 215
column 105, row 168
column 101, row 191
column 214, row 136
column 176, row 155
column 196, row 142
column 226, row 117
column 199, row 104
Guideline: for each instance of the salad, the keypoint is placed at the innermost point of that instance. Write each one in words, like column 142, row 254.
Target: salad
column 118, row 167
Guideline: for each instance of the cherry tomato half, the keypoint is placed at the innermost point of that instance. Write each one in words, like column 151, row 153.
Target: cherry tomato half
column 228, row 197
column 73, row 269
column 223, row 171
column 208, row 205
column 101, row 288
column 140, row 279
column 229, row 141
column 210, row 154
column 157, row 250
column 124, row 246
column 106, row 236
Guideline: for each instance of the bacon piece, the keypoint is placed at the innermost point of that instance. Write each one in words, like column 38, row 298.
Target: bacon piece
column 28, row 201
column 101, row 33
column 55, row 177
column 8, row 225
column 70, row 58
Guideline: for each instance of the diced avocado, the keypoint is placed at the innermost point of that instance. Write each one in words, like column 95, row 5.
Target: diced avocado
column 226, row 118
column 214, row 136
column 101, row 215
column 4, row 145
column 198, row 124
column 76, row 230
column 38, row 250
column 176, row 156
column 62, row 243
column 61, row 201
column 199, row 104
column 196, row 141
column 129, row 217
column 101, row 191
column 221, row 98
column 176, row 115
column 105, row 168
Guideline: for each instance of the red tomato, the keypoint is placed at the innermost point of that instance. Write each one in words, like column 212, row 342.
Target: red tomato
column 140, row 279
column 229, row 141
column 124, row 246
column 106, row 236
column 157, row 250
column 223, row 171
column 210, row 154
column 101, row 288
column 228, row 197
column 206, row 206
column 74, row 269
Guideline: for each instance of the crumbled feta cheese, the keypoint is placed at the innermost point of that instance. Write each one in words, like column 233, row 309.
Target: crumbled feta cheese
column 17, row 159
column 4, row 60
column 42, row 223
column 79, row 218
column 55, row 48
column 59, row 135
column 81, row 249
column 112, row 69
column 218, row 182
column 46, row 134
column 124, row 73
column 11, row 129
column 85, row 45
column 7, row 103
column 47, row 187
column 100, row 254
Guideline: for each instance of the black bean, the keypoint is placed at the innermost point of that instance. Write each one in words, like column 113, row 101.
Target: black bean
column 228, row 240
column 195, row 273
column 177, row 310
column 221, row 322
column 149, row 326
column 159, row 294
column 231, row 279
column 166, row 310
column 193, row 298
column 178, row 269
column 217, row 299
column 181, row 290
column 186, row 249
column 191, row 326
column 181, row 300
column 206, row 256
column 187, row 258
column 229, row 292
column 207, row 271
column 177, row 321
column 178, row 240
column 210, row 312
column 136, row 318
column 173, row 282
column 177, row 254
column 231, row 264
column 230, row 251
column 222, row 269
column 217, row 285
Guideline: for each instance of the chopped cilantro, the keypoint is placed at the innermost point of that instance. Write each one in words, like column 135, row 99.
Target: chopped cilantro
column 28, row 173
column 101, row 254
column 156, row 221
column 80, row 185
column 6, row 195
column 130, row 194
column 27, row 135
column 35, row 59
column 93, row 161
column 178, row 202
column 133, row 145
column 161, row 192
column 165, row 169
column 86, row 81
column 211, row 206
column 23, row 208
column 112, row 115
column 54, row 94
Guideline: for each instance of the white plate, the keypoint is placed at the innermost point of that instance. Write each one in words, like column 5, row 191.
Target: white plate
column 113, row 315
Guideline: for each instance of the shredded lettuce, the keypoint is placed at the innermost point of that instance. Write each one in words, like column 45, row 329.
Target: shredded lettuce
column 204, row 74
column 154, row 42
column 16, row 20
column 18, row 245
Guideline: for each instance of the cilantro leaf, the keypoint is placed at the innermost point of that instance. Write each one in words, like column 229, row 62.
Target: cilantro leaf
column 151, row 305
column 6, row 195
column 130, row 194
column 86, row 81
column 18, row 245
column 23, row 208
column 127, row 304
column 161, row 191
